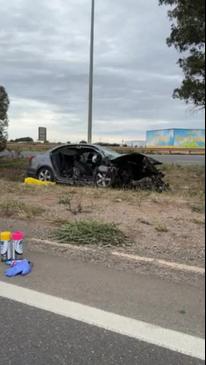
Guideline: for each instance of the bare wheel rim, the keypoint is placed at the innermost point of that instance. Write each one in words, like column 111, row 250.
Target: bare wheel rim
column 102, row 180
column 45, row 175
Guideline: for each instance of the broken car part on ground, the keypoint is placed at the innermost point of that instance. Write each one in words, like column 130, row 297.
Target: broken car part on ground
column 84, row 164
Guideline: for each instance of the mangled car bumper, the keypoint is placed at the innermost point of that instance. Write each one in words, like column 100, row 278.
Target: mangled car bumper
column 136, row 171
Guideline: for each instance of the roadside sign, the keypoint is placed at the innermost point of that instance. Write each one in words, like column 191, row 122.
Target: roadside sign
column 42, row 134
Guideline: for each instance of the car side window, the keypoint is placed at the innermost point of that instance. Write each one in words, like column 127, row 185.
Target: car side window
column 90, row 157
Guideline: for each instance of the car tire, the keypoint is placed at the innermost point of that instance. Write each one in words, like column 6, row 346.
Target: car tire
column 45, row 174
column 102, row 180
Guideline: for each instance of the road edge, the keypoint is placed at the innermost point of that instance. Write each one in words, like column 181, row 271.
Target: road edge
column 62, row 249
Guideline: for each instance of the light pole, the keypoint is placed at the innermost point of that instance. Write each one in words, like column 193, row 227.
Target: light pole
column 91, row 75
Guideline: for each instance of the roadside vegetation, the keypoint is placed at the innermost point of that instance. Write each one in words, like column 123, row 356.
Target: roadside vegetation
column 13, row 169
column 186, row 182
column 90, row 233
column 41, row 147
column 168, row 225
column 18, row 209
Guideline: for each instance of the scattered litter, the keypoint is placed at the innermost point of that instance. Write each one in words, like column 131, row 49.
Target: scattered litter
column 32, row 181
column 11, row 252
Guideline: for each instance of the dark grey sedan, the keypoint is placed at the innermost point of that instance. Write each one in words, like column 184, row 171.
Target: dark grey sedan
column 84, row 164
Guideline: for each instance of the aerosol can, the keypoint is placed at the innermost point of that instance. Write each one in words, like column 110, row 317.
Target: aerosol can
column 5, row 246
column 17, row 245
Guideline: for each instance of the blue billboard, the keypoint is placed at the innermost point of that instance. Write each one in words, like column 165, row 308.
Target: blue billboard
column 184, row 138
column 189, row 138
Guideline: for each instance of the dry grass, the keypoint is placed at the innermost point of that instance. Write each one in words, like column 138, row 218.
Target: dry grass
column 161, row 228
column 198, row 208
column 13, row 169
column 197, row 221
column 187, row 181
column 17, row 209
column 33, row 147
column 145, row 217
column 40, row 147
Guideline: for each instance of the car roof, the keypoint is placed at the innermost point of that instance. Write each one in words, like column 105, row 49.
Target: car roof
column 75, row 146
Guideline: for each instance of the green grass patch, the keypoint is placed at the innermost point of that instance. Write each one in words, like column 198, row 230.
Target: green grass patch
column 90, row 233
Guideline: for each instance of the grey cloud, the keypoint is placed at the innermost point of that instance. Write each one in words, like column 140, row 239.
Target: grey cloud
column 45, row 54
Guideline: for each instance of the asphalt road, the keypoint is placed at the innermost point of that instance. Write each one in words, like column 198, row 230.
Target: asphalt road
column 183, row 160
column 32, row 336
column 121, row 292
column 167, row 159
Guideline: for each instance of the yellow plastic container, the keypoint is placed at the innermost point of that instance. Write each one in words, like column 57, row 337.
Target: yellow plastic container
column 32, row 181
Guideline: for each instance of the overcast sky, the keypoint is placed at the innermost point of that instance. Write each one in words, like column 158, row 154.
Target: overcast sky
column 44, row 66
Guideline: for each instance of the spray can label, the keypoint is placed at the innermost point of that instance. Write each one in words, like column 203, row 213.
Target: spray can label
column 5, row 238
column 17, row 244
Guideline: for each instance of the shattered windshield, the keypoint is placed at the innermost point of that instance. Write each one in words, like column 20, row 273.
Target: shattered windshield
column 109, row 153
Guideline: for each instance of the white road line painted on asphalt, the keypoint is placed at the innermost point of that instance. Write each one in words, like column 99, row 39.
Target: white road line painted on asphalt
column 147, row 260
column 146, row 332
column 62, row 245
column 172, row 265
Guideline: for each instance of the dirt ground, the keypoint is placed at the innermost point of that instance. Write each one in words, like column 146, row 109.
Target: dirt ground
column 169, row 225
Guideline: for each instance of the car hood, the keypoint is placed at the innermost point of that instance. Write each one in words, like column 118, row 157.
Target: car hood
column 135, row 158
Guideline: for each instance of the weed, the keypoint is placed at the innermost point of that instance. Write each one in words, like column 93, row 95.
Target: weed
column 90, row 232
column 65, row 200
column 15, row 209
column 198, row 221
column 186, row 181
column 141, row 197
column 13, row 169
column 161, row 228
column 198, row 208
column 75, row 209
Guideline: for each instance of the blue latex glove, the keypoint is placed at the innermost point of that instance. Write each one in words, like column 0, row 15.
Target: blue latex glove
column 23, row 268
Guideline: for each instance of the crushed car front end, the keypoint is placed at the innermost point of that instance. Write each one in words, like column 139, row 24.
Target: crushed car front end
column 134, row 171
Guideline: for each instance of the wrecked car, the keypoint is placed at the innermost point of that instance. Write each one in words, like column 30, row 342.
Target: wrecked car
column 96, row 165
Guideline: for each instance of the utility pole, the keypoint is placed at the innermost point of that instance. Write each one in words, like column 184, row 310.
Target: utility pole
column 91, row 75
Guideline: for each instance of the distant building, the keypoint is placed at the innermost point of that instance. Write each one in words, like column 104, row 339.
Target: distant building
column 136, row 143
column 185, row 138
column 42, row 134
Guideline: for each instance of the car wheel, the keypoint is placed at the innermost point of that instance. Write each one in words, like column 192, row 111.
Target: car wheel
column 102, row 180
column 45, row 174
